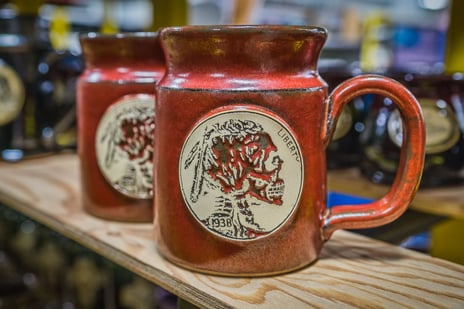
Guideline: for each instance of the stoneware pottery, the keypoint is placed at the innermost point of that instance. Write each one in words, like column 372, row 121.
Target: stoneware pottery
column 115, row 100
column 242, row 123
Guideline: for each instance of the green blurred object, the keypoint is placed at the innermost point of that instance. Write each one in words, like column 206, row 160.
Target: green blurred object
column 447, row 240
column 454, row 60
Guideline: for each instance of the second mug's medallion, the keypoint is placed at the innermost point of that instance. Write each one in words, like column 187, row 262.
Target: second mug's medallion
column 124, row 145
column 241, row 173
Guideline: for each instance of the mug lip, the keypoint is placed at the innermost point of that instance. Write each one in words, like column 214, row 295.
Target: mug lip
column 98, row 35
column 250, row 28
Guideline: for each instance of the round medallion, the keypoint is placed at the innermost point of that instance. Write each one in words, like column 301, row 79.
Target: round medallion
column 124, row 145
column 442, row 129
column 12, row 94
column 241, row 172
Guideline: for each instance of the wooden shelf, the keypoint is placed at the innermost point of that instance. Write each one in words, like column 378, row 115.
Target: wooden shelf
column 353, row 270
column 444, row 201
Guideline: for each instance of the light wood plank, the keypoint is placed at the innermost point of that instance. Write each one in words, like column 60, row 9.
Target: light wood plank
column 353, row 271
column 445, row 201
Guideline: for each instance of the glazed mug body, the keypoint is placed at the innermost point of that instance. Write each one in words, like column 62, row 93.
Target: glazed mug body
column 115, row 106
column 243, row 120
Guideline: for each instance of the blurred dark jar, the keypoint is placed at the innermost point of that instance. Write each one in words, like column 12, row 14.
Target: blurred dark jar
column 441, row 99
column 57, row 76
column 344, row 150
column 15, row 50
column 115, row 111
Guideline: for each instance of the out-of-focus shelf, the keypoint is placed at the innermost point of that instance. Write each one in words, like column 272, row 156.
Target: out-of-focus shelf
column 352, row 271
column 443, row 201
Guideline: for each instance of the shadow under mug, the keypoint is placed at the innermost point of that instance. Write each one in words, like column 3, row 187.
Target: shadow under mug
column 242, row 123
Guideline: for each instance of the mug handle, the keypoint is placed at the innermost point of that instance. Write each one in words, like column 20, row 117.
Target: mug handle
column 409, row 173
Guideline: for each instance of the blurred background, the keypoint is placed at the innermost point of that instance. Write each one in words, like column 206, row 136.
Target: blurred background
column 39, row 47
column 417, row 42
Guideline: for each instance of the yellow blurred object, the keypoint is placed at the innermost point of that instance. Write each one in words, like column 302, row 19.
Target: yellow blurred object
column 109, row 24
column 27, row 7
column 169, row 13
column 375, row 55
column 447, row 240
column 243, row 10
column 60, row 27
column 454, row 54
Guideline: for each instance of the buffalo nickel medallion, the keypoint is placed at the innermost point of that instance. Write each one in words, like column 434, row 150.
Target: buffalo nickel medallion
column 124, row 145
column 241, row 173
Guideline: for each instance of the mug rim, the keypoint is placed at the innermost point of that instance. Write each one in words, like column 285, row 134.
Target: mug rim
column 98, row 35
column 249, row 28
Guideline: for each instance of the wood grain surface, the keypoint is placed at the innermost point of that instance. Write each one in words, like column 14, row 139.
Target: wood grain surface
column 445, row 201
column 353, row 271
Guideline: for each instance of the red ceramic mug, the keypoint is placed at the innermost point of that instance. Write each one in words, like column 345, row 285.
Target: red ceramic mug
column 242, row 123
column 115, row 106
